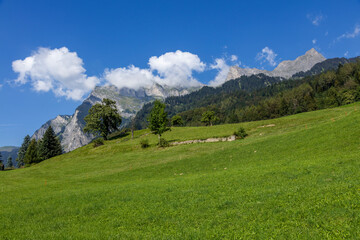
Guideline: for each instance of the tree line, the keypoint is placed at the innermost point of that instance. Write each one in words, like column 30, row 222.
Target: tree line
column 33, row 151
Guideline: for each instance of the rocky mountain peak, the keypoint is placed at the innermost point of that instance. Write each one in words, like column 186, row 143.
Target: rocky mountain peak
column 312, row 52
column 285, row 69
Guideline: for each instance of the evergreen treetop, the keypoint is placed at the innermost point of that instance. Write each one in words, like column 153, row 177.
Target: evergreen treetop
column 22, row 151
column 31, row 155
column 9, row 163
column 50, row 145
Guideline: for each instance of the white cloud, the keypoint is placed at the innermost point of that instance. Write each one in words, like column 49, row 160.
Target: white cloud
column 58, row 70
column 223, row 70
column 176, row 68
column 314, row 41
column 315, row 19
column 234, row 58
column 346, row 54
column 130, row 77
column 267, row 55
column 173, row 69
column 352, row 34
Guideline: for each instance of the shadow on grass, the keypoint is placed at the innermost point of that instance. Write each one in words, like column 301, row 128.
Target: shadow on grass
column 118, row 135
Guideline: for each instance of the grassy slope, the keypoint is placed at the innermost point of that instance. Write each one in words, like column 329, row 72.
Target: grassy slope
column 298, row 179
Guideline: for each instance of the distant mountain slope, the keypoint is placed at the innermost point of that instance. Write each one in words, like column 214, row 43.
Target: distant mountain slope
column 128, row 101
column 9, row 151
column 285, row 69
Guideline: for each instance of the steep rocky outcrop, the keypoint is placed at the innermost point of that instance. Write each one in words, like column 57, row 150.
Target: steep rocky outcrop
column 285, row 69
column 58, row 124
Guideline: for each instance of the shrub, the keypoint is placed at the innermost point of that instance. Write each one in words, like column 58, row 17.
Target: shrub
column 144, row 143
column 98, row 142
column 163, row 143
column 176, row 120
column 241, row 133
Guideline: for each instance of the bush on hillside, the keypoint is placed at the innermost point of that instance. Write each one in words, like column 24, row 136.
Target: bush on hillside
column 98, row 142
column 241, row 133
column 144, row 143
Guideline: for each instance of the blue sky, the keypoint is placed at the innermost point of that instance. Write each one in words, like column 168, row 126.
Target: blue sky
column 122, row 36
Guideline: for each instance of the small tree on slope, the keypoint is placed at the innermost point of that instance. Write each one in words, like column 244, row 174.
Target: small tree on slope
column 1, row 163
column 103, row 118
column 176, row 120
column 209, row 118
column 158, row 119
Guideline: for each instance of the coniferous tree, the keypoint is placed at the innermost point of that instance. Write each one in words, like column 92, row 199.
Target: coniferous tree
column 32, row 155
column 49, row 146
column 158, row 120
column 1, row 163
column 9, row 163
column 22, row 151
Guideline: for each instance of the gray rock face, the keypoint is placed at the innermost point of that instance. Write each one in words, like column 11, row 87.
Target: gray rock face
column 58, row 124
column 284, row 70
column 69, row 129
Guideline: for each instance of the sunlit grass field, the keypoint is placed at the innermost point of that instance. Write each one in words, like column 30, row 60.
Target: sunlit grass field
column 296, row 177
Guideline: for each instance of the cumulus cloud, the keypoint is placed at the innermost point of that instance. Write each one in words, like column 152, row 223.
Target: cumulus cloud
column 176, row 68
column 346, row 54
column 352, row 34
column 223, row 70
column 130, row 77
column 315, row 19
column 233, row 58
column 267, row 55
column 57, row 70
column 314, row 41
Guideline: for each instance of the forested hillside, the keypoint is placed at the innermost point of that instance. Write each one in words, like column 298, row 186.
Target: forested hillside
column 261, row 97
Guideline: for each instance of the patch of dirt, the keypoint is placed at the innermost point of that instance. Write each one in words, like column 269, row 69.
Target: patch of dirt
column 209, row 140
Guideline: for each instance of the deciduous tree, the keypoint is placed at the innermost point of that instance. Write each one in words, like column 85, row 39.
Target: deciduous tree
column 103, row 118
column 158, row 121
column 209, row 118
column 176, row 120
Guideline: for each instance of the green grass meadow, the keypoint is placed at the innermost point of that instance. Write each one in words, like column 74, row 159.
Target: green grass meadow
column 296, row 179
